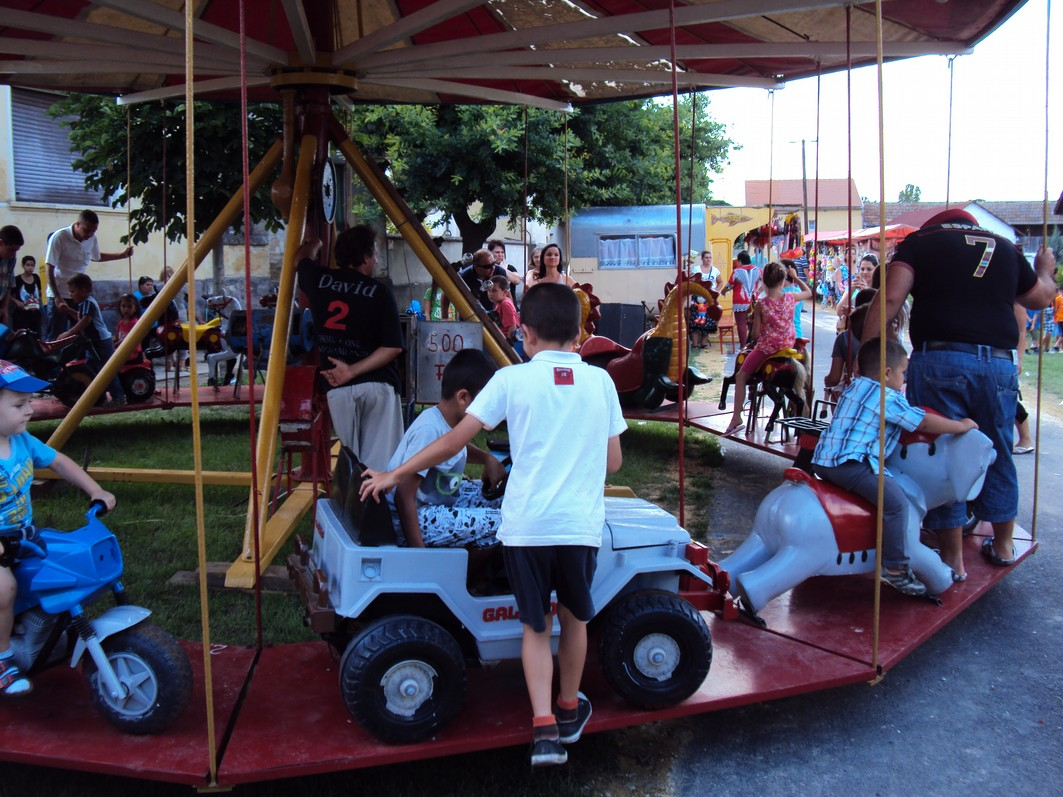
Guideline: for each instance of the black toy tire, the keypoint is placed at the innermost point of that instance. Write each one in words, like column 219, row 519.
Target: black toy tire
column 411, row 653
column 139, row 385
column 72, row 383
column 152, row 661
column 649, row 625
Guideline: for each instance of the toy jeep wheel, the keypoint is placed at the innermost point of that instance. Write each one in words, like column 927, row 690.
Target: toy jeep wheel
column 655, row 649
column 403, row 678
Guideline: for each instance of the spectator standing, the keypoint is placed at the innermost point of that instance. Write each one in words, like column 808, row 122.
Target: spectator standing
column 70, row 250
column 744, row 280
column 497, row 248
column 26, row 297
column 11, row 241
column 964, row 357
column 477, row 276
column 551, row 268
column 710, row 275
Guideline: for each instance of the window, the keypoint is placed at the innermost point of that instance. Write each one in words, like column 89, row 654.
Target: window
column 42, row 156
column 651, row 250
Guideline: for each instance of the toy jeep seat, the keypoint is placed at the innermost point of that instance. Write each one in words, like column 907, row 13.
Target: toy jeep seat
column 367, row 522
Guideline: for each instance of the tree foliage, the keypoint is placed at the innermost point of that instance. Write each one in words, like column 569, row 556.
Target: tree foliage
column 468, row 161
column 910, row 193
column 98, row 132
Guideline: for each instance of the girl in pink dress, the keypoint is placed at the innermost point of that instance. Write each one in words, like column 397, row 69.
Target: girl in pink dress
column 773, row 328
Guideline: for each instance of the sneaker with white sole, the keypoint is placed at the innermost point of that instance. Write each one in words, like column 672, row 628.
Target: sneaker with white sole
column 904, row 582
column 547, row 752
column 570, row 727
column 12, row 682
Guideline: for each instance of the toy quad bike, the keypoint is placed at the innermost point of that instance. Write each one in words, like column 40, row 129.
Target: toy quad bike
column 407, row 622
column 140, row 677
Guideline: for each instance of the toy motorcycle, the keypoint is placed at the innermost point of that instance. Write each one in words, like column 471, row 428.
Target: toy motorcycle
column 62, row 363
column 141, row 679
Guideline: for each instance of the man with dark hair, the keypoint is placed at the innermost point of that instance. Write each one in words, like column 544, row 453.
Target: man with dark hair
column 478, row 277
column 964, row 355
column 743, row 281
column 70, row 250
column 11, row 241
column 358, row 336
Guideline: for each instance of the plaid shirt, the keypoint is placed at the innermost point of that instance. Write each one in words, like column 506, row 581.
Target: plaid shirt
column 853, row 433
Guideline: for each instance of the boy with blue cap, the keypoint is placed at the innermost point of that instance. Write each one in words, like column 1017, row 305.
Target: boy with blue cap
column 20, row 453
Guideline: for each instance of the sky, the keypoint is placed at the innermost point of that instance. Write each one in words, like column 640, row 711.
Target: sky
column 998, row 128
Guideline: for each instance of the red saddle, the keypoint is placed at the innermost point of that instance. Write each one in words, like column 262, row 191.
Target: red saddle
column 851, row 517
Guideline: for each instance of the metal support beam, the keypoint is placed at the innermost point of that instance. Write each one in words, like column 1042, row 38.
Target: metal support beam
column 274, row 531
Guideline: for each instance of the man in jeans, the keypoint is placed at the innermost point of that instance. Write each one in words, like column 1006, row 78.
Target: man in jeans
column 964, row 282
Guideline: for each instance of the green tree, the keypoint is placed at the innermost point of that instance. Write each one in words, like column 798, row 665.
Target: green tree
column 467, row 161
column 910, row 193
column 98, row 132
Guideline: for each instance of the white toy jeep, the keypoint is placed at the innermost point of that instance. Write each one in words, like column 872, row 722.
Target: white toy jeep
column 407, row 623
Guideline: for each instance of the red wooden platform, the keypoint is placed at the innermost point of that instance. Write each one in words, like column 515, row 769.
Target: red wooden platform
column 817, row 637
column 706, row 416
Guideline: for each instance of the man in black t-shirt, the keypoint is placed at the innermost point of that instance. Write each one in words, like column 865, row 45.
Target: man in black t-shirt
column 358, row 337
column 478, row 277
column 965, row 282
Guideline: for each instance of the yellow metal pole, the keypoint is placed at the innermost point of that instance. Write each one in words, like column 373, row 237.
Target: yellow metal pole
column 269, row 421
column 153, row 311
column 420, row 246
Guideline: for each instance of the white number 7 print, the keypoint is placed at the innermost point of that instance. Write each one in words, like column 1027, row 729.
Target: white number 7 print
column 987, row 254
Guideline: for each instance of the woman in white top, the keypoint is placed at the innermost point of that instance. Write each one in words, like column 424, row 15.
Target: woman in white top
column 550, row 269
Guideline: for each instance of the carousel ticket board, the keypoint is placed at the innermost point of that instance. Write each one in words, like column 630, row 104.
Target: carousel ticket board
column 436, row 343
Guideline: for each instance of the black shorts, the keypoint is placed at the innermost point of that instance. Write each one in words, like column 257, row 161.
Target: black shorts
column 536, row 570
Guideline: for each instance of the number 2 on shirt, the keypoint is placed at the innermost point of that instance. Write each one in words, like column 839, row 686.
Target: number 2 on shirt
column 987, row 254
column 337, row 313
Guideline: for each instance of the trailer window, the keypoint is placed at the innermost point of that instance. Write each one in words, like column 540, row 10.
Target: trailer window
column 636, row 251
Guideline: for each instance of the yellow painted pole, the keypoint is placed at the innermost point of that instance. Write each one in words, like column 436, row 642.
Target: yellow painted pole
column 153, row 311
column 271, row 398
column 401, row 218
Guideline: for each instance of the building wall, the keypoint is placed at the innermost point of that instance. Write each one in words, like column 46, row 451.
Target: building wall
column 38, row 220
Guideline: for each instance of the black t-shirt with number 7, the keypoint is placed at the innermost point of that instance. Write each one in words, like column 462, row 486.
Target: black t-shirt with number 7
column 965, row 282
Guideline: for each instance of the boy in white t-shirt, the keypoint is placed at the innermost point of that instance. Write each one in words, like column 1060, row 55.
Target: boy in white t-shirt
column 564, row 424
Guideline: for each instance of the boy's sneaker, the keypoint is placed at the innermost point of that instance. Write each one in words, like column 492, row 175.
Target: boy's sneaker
column 570, row 724
column 12, row 682
column 904, row 582
column 547, row 752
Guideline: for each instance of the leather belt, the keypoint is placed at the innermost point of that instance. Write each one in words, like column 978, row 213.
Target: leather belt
column 969, row 348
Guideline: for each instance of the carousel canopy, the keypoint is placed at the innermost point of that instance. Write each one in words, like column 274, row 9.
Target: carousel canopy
column 548, row 53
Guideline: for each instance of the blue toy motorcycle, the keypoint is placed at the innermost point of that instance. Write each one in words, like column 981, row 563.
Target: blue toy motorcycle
column 141, row 679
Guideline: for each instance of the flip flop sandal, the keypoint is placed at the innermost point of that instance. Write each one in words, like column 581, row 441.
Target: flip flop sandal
column 734, row 429
column 958, row 578
column 990, row 553
column 1022, row 450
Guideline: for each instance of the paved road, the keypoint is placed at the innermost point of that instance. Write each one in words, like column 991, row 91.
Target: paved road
column 978, row 709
